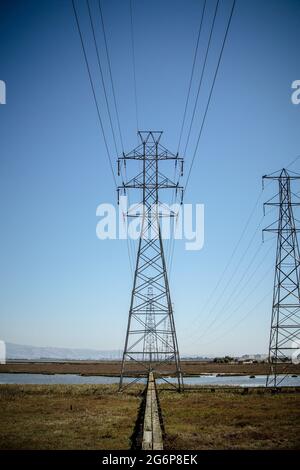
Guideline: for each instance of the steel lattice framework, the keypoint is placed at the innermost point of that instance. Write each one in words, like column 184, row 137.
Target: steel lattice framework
column 151, row 341
column 285, row 322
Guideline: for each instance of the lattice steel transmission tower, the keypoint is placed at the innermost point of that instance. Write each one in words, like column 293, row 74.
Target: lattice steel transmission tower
column 284, row 340
column 150, row 347
column 151, row 341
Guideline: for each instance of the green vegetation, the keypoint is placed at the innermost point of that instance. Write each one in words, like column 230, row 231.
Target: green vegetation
column 224, row 360
column 67, row 417
column 227, row 420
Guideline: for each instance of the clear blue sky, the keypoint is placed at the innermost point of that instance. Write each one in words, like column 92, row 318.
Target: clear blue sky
column 60, row 285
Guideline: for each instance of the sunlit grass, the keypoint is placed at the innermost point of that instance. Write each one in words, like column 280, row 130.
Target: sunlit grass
column 224, row 420
column 67, row 417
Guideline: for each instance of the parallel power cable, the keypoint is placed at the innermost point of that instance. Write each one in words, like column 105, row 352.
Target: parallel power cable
column 130, row 247
column 201, row 76
column 237, row 290
column 170, row 248
column 253, row 309
column 210, row 94
column 110, row 74
column 231, row 258
column 102, row 76
column 251, row 292
column 94, row 94
column 225, row 307
column 225, row 288
column 133, row 63
column 170, row 254
column 212, row 87
column 293, row 161
column 229, row 331
column 192, row 75
column 98, row 111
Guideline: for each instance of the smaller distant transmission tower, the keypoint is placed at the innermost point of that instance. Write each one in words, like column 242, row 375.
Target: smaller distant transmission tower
column 285, row 322
column 150, row 347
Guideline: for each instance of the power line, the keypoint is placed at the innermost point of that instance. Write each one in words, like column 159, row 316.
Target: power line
column 133, row 63
column 236, row 289
column 191, row 78
column 172, row 247
column 210, row 94
column 130, row 247
column 128, row 242
column 240, row 321
column 293, row 161
column 232, row 312
column 94, row 94
column 229, row 281
column 201, row 77
column 129, row 257
column 175, row 221
column 253, row 290
column 98, row 112
column 110, row 74
column 212, row 293
column 101, row 74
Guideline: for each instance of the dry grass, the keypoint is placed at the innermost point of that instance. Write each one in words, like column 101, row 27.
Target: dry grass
column 114, row 367
column 97, row 417
column 204, row 420
column 67, row 417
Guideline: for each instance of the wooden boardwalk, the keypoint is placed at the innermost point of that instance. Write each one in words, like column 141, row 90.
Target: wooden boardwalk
column 152, row 433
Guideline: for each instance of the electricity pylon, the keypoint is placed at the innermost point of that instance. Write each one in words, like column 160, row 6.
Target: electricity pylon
column 284, row 341
column 151, row 341
column 150, row 338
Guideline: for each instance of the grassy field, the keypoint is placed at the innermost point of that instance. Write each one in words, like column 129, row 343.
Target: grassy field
column 67, row 417
column 224, row 420
column 114, row 367
column 97, row 417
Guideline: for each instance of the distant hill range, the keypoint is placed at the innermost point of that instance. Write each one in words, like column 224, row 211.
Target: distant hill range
column 29, row 353
column 35, row 353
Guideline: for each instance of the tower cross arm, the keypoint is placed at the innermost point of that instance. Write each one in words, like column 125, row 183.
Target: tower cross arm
column 138, row 183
